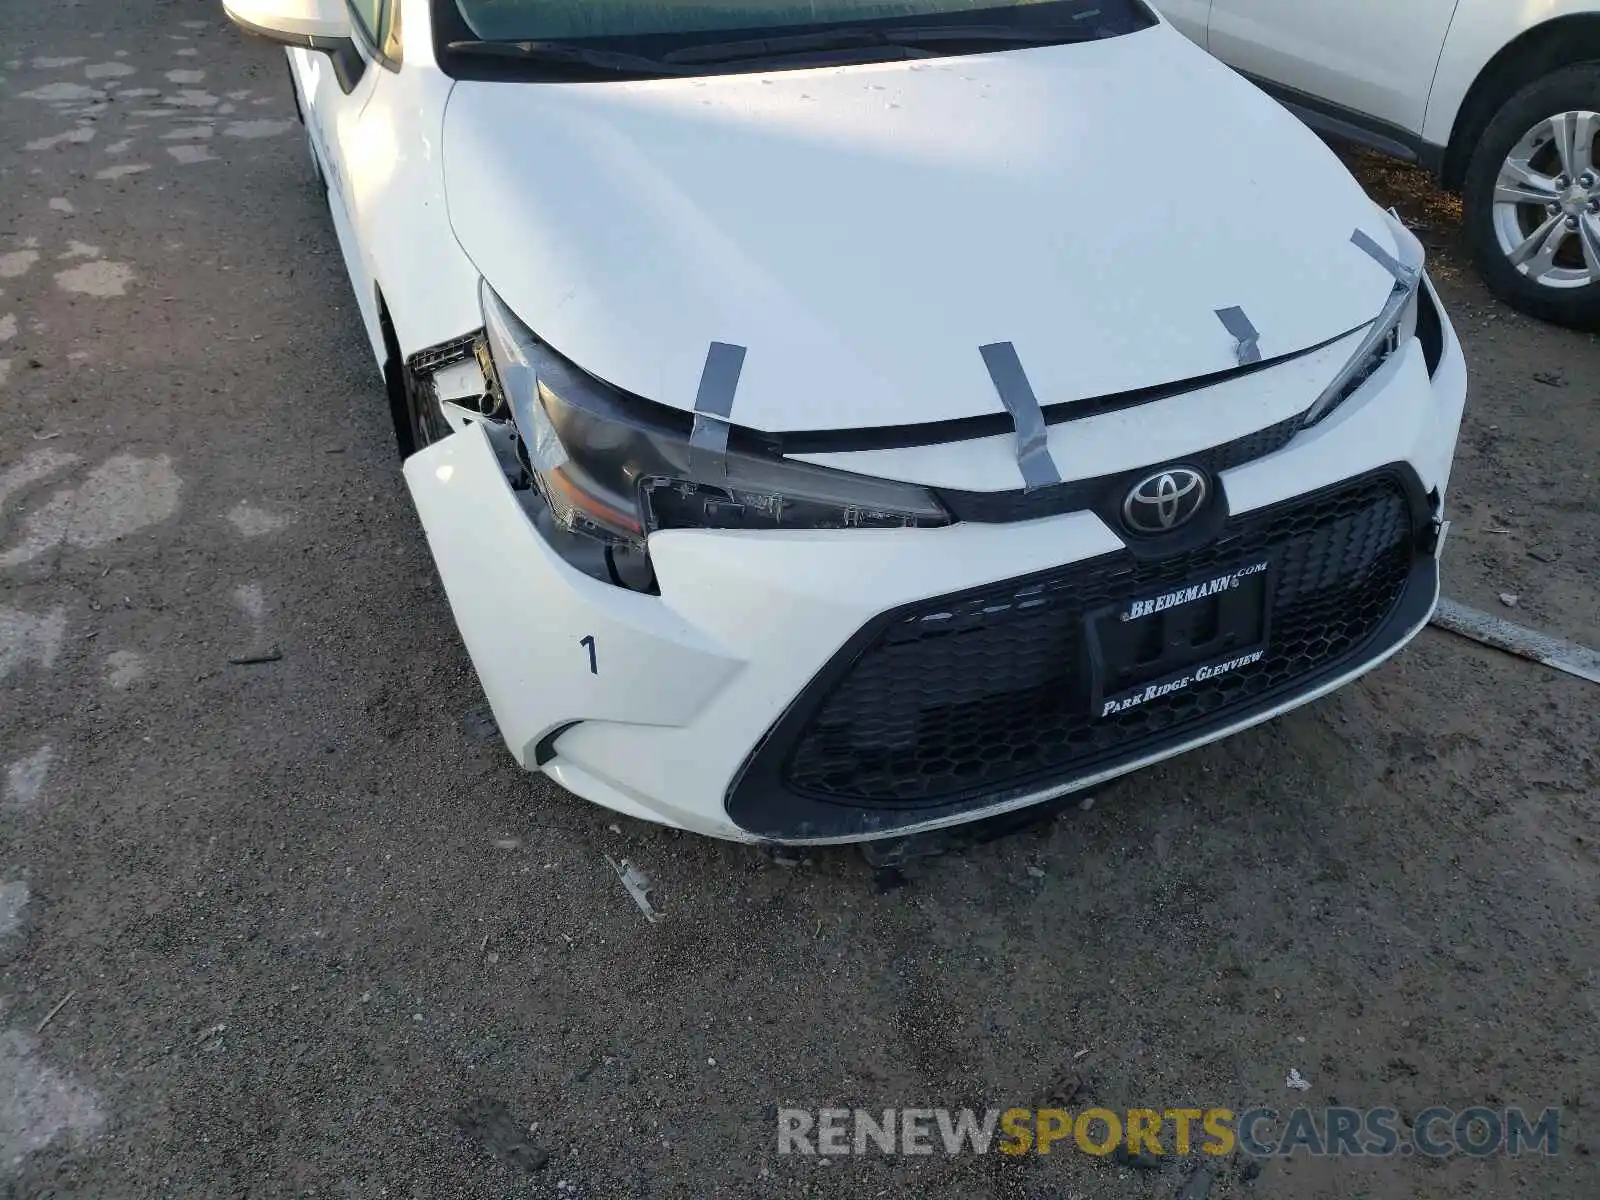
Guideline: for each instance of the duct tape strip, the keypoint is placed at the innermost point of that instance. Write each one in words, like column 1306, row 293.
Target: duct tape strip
column 1537, row 647
column 1405, row 276
column 713, row 402
column 1248, row 348
column 1016, row 393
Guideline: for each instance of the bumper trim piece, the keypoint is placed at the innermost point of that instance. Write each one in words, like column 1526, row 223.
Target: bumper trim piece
column 1490, row 630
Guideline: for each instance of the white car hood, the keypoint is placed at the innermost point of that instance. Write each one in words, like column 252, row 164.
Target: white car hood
column 863, row 230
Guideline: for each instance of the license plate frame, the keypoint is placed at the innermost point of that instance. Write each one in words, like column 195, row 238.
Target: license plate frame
column 1234, row 605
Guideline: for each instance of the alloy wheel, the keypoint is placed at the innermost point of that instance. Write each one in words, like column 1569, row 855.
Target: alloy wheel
column 1547, row 202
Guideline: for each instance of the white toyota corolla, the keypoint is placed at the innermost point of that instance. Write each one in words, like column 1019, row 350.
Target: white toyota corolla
column 841, row 419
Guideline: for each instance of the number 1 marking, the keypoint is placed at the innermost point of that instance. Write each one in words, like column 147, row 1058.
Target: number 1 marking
column 594, row 666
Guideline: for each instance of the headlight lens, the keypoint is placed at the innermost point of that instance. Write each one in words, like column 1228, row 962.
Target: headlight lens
column 1388, row 334
column 1395, row 327
column 618, row 469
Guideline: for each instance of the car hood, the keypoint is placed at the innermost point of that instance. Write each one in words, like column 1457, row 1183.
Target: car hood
column 863, row 230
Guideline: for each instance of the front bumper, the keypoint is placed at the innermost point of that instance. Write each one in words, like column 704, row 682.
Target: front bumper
column 680, row 708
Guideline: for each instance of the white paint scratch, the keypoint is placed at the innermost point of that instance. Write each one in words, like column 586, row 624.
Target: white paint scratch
column 120, row 172
column 124, row 668
column 57, row 93
column 120, row 497
column 188, row 155
column 80, row 250
column 252, row 600
column 107, row 70
column 61, row 204
column 120, row 147
column 96, row 279
column 41, row 1105
column 185, row 76
column 264, row 127
column 25, row 779
column 186, row 52
column 251, row 521
column 138, row 93
column 55, row 64
column 26, row 638
column 241, row 94
column 8, row 327
column 83, row 133
column 195, row 24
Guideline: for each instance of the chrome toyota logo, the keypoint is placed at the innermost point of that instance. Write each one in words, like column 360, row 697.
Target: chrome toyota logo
column 1164, row 500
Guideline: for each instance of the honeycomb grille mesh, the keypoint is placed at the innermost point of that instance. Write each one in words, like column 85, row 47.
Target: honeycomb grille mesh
column 990, row 691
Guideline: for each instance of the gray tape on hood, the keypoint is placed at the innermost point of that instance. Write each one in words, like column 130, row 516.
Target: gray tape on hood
column 1405, row 276
column 1248, row 342
column 1016, row 393
column 713, row 402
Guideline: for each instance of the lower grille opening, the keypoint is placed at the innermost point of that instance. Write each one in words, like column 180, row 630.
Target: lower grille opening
column 958, row 700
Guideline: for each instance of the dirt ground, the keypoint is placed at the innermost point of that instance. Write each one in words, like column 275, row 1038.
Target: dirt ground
column 317, row 935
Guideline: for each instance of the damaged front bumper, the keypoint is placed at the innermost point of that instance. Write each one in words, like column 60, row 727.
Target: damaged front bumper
column 706, row 707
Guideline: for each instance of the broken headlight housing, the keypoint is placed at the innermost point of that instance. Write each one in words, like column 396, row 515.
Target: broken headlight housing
column 618, row 469
column 1395, row 327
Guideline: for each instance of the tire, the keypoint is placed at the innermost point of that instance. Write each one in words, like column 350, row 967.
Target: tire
column 1559, row 279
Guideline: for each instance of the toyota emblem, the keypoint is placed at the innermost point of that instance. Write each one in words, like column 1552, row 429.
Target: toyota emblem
column 1165, row 500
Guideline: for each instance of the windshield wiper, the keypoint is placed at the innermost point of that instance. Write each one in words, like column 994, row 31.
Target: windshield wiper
column 566, row 54
column 918, row 39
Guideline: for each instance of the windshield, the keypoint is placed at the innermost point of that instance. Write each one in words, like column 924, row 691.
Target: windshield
column 769, row 29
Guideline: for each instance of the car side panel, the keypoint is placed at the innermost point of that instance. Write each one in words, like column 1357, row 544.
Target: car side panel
column 1483, row 28
column 328, row 109
column 1372, row 57
column 392, row 187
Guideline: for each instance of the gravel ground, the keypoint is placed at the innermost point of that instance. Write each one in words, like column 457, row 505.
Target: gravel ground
column 316, row 934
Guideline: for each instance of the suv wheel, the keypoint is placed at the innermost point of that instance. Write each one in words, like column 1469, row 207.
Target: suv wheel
column 1532, row 198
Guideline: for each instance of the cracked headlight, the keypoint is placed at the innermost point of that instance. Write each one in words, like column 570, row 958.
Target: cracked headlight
column 1394, row 328
column 617, row 468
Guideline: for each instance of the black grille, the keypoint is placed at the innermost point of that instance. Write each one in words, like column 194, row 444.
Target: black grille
column 988, row 693
column 1078, row 494
column 426, row 361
